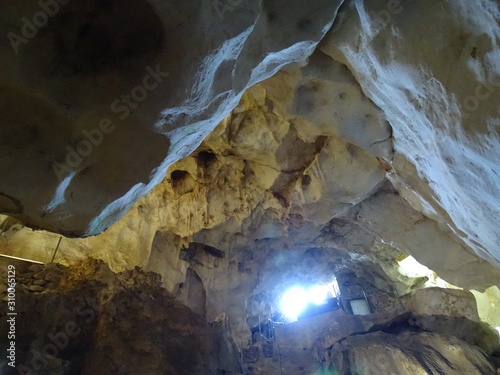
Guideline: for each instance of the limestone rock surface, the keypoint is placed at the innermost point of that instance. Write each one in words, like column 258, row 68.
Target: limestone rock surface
column 382, row 353
column 433, row 70
column 277, row 150
column 107, row 323
column 304, row 157
column 99, row 98
column 439, row 301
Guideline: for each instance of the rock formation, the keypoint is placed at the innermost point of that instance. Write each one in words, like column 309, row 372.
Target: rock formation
column 95, row 87
column 113, row 324
column 283, row 143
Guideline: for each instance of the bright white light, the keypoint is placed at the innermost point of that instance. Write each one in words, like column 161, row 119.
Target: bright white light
column 498, row 329
column 293, row 302
column 318, row 294
column 410, row 267
column 296, row 299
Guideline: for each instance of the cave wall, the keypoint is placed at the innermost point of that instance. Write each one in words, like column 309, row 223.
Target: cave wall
column 99, row 76
column 341, row 134
column 440, row 95
column 85, row 319
column 236, row 182
column 277, row 163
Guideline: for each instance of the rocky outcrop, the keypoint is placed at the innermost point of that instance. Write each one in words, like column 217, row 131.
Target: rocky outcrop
column 394, row 342
column 409, row 353
column 372, row 148
column 439, row 301
column 92, row 321
column 117, row 92
column 302, row 152
column 436, row 78
column 89, row 320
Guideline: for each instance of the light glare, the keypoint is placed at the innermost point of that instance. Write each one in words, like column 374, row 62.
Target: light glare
column 293, row 302
column 318, row 294
column 412, row 268
column 296, row 299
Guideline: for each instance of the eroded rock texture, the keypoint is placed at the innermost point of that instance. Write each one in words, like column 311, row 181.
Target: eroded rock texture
column 434, row 72
column 397, row 341
column 289, row 162
column 119, row 91
column 301, row 162
column 307, row 145
column 88, row 320
column 85, row 319
column 303, row 147
column 409, row 353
